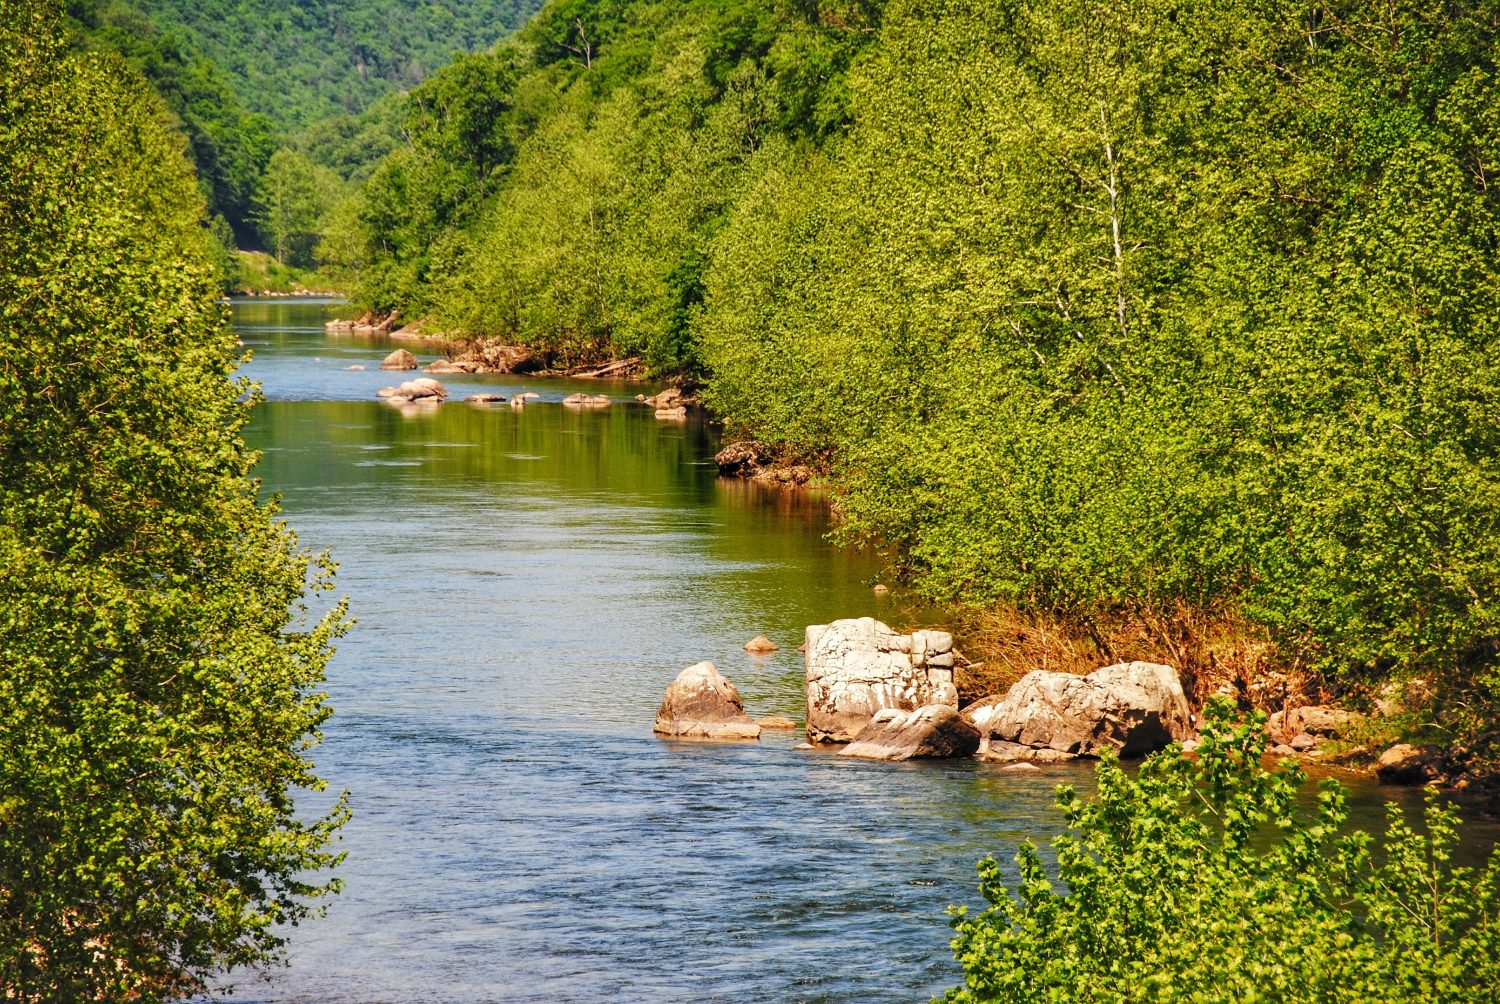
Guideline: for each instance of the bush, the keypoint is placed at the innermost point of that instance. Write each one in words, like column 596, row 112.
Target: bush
column 1215, row 880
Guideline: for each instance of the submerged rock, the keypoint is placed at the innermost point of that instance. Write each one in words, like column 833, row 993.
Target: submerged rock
column 399, row 360
column 485, row 398
column 776, row 723
column 1006, row 752
column 760, row 643
column 856, row 668
column 702, row 704
column 935, row 730
column 586, row 401
column 1133, row 708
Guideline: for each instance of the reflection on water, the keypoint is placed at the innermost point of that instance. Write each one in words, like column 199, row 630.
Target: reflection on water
column 526, row 584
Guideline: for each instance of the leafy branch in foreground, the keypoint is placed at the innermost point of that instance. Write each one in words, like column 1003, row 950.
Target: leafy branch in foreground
column 1214, row 880
column 162, row 671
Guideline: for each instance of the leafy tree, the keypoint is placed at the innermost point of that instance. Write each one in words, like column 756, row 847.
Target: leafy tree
column 161, row 686
column 293, row 200
column 1213, row 880
column 229, row 145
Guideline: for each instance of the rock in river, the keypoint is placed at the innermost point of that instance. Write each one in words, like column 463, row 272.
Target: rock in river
column 702, row 704
column 760, row 643
column 932, row 731
column 420, row 389
column 1133, row 708
column 858, row 667
column 399, row 360
column 1407, row 764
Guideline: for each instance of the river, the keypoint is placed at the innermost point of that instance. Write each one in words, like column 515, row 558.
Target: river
column 526, row 583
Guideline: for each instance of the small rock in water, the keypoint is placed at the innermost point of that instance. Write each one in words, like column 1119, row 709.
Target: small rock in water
column 804, row 746
column 1021, row 768
column 485, row 398
column 1302, row 742
column 760, row 643
column 1282, row 749
column 399, row 360
column 702, row 704
column 357, row 367
column 881, row 589
column 777, row 723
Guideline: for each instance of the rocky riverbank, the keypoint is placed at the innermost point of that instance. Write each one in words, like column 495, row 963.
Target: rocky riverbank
column 876, row 693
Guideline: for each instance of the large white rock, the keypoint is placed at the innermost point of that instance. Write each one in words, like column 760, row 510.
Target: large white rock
column 702, row 704
column 1133, row 708
column 933, row 731
column 858, row 667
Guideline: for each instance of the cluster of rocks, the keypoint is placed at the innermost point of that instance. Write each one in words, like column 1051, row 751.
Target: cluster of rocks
column 367, row 324
column 887, row 695
column 422, row 389
column 756, row 461
column 671, row 404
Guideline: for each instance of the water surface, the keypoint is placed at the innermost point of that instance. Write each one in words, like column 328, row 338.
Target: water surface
column 526, row 584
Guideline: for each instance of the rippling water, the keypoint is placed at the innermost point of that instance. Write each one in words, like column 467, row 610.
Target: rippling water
column 526, row 584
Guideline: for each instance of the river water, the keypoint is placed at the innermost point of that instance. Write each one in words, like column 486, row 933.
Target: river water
column 526, row 584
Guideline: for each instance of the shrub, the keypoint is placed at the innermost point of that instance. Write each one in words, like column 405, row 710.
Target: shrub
column 1214, row 879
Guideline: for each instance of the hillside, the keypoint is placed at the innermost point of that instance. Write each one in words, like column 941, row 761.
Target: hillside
column 299, row 62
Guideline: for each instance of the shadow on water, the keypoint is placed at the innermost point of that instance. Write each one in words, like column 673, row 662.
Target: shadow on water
column 526, row 583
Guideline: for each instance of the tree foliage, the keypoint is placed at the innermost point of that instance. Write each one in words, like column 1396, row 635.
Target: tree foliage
column 161, row 686
column 1214, row 880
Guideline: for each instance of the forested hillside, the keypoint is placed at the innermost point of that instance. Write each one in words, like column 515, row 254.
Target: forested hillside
column 1175, row 311
column 300, row 62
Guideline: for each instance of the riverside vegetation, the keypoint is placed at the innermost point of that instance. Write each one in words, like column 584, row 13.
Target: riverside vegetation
column 1155, row 329
column 1155, row 313
column 161, row 684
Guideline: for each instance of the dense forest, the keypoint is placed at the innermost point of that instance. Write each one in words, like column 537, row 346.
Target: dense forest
column 1162, row 313
column 299, row 63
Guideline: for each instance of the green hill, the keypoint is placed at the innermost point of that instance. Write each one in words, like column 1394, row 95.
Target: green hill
column 302, row 61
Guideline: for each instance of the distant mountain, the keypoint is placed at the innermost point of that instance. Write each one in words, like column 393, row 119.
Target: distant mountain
column 298, row 61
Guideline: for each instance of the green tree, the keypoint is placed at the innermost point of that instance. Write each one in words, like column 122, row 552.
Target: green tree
column 161, row 689
column 1213, row 880
column 293, row 202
